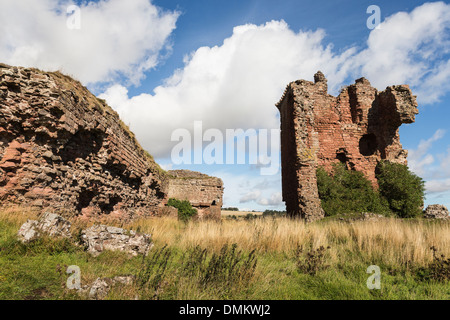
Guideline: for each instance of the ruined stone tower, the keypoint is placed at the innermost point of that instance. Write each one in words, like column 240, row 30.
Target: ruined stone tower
column 359, row 128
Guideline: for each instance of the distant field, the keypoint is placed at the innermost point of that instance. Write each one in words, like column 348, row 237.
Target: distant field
column 239, row 213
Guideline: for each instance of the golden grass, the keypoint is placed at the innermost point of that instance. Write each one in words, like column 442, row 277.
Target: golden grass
column 389, row 240
column 226, row 213
column 17, row 215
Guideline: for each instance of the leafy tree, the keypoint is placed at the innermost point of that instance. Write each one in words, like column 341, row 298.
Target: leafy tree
column 185, row 210
column 231, row 209
column 274, row 213
column 348, row 191
column 403, row 190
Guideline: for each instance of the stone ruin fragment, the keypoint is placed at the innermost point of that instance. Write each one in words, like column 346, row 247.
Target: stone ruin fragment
column 359, row 128
column 436, row 211
column 203, row 192
column 64, row 150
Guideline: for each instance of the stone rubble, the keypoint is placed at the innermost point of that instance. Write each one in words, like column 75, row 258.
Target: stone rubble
column 436, row 211
column 95, row 239
column 99, row 238
column 100, row 288
column 49, row 224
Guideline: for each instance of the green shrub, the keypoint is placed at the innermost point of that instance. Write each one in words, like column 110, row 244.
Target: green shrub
column 250, row 216
column 438, row 270
column 231, row 209
column 153, row 272
column 185, row 210
column 274, row 213
column 231, row 269
column 403, row 190
column 348, row 191
column 312, row 261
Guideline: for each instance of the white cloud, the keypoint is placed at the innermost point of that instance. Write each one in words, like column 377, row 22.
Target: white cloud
column 252, row 190
column 116, row 37
column 435, row 170
column 419, row 159
column 445, row 163
column 250, row 196
column 411, row 48
column 437, row 186
column 275, row 200
column 236, row 84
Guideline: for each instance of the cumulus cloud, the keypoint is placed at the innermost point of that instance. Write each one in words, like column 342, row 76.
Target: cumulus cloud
column 419, row 159
column 243, row 188
column 236, row 84
column 250, row 196
column 275, row 200
column 411, row 48
column 435, row 170
column 116, row 38
column 437, row 186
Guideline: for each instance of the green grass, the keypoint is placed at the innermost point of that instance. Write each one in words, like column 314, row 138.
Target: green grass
column 38, row 271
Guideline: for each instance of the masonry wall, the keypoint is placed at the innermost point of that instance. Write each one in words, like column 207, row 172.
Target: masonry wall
column 202, row 191
column 358, row 128
column 64, row 150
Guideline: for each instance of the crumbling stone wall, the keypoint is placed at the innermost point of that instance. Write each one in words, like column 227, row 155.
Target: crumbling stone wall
column 359, row 128
column 202, row 191
column 64, row 149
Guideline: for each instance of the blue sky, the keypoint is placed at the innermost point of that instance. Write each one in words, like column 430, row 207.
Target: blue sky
column 209, row 22
column 165, row 64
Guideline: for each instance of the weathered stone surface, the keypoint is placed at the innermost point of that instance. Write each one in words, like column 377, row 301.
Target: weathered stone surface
column 49, row 224
column 61, row 145
column 169, row 212
column 203, row 192
column 364, row 216
column 100, row 237
column 436, row 211
column 28, row 231
column 359, row 128
column 100, row 288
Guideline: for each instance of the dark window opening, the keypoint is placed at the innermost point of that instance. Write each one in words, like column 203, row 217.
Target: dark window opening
column 368, row 145
column 84, row 199
column 359, row 115
column 342, row 157
column 83, row 144
column 107, row 208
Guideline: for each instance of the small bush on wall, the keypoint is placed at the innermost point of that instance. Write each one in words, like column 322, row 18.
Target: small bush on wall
column 185, row 210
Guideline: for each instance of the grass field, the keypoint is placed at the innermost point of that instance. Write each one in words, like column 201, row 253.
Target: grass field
column 272, row 259
column 226, row 213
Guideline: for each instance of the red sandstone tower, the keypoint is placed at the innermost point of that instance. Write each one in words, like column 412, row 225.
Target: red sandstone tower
column 359, row 128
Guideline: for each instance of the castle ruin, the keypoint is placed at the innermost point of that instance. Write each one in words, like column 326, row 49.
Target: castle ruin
column 359, row 128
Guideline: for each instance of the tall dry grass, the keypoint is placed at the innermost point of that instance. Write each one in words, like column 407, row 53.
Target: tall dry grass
column 17, row 215
column 392, row 241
